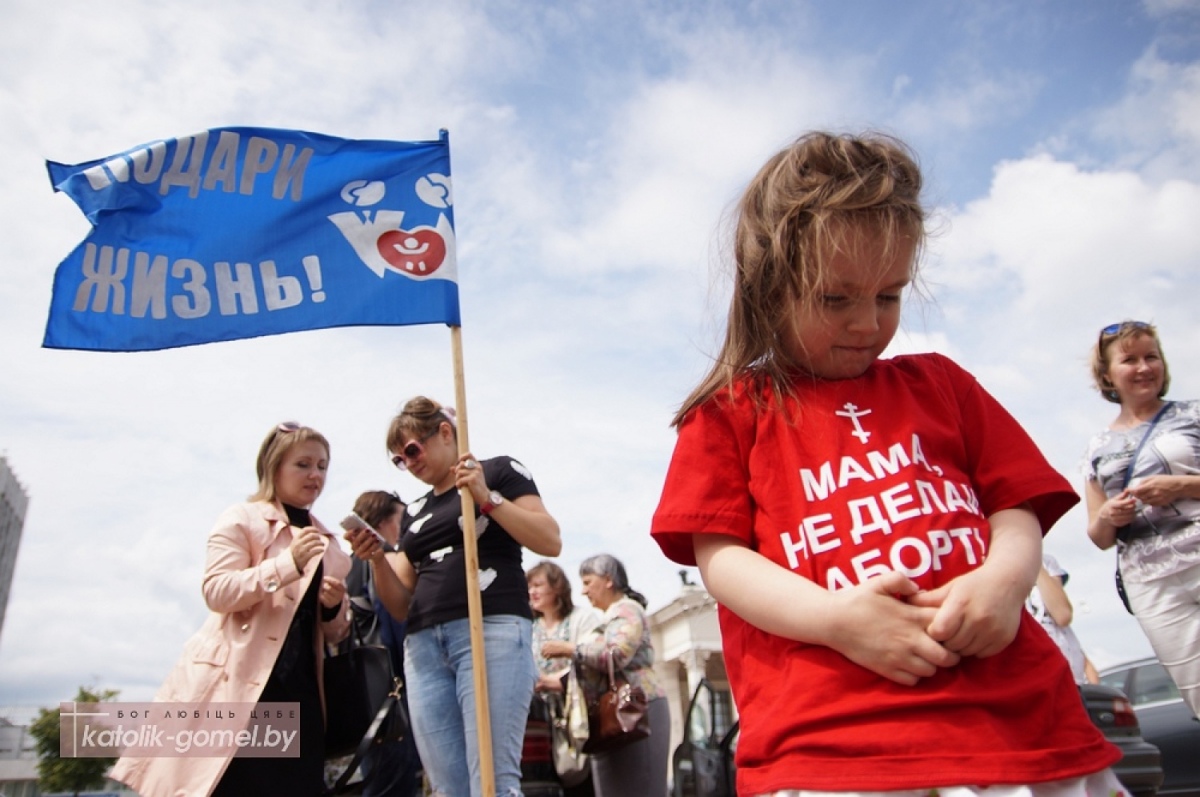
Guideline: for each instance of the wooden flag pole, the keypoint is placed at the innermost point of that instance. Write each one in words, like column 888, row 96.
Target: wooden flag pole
column 483, row 721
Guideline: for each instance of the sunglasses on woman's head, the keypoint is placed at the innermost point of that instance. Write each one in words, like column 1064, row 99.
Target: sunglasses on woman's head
column 1113, row 329
column 411, row 452
column 288, row 426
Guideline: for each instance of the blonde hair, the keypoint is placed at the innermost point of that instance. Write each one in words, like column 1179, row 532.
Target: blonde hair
column 274, row 448
column 1126, row 331
column 809, row 203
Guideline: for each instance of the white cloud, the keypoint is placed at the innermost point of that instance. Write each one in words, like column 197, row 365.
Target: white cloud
column 1162, row 8
column 1155, row 128
column 1058, row 231
column 968, row 106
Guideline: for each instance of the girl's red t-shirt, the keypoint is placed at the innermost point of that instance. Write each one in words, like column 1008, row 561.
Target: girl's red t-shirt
column 895, row 470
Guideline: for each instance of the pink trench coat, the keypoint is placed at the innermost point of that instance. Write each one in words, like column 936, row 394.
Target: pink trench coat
column 252, row 587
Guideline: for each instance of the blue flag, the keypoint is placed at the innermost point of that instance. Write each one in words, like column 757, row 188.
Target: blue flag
column 241, row 232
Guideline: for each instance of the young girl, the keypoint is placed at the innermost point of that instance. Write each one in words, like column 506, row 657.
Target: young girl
column 870, row 528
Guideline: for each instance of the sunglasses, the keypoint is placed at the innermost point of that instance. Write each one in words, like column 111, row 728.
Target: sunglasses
column 288, row 426
column 411, row 451
column 1113, row 329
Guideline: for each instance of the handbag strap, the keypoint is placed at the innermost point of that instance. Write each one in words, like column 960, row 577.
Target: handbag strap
column 369, row 738
column 355, row 638
column 606, row 656
column 1123, row 532
column 1138, row 451
column 369, row 583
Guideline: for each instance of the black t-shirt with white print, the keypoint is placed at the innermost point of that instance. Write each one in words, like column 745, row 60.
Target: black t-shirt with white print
column 432, row 538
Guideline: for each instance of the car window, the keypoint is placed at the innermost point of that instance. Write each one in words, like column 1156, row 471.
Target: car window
column 722, row 713
column 1152, row 684
column 710, row 716
column 700, row 730
column 1115, row 679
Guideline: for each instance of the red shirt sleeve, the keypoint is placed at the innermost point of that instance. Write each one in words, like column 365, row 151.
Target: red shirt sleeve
column 706, row 489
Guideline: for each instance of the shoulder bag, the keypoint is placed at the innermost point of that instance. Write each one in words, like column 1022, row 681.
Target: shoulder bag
column 357, row 680
column 1125, row 483
column 618, row 716
column 569, row 730
column 364, row 704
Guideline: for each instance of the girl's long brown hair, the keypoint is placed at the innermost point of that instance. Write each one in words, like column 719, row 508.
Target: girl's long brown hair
column 809, row 202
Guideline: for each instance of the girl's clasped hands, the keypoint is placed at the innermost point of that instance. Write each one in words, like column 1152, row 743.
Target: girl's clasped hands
column 893, row 628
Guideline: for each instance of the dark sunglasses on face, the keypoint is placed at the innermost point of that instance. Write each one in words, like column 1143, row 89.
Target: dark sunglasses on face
column 411, row 452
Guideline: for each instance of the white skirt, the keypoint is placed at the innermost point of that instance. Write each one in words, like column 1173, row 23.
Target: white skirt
column 1099, row 784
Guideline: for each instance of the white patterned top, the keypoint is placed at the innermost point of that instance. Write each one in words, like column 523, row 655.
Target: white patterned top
column 1165, row 539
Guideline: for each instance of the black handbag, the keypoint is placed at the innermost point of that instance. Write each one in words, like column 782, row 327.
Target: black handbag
column 364, row 702
column 357, row 680
column 389, row 724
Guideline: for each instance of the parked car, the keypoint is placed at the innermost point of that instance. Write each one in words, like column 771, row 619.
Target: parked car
column 703, row 763
column 1140, row 769
column 1165, row 719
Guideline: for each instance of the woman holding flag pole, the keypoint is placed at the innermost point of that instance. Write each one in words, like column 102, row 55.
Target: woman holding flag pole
column 439, row 651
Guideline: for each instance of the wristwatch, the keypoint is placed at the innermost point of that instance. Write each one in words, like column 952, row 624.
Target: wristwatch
column 494, row 500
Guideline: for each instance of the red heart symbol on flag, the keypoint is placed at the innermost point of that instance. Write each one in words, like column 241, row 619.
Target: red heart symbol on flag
column 417, row 252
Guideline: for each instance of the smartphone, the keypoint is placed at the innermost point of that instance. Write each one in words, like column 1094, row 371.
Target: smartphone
column 352, row 522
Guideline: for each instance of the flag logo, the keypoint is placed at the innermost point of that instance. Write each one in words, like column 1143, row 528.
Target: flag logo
column 381, row 241
column 241, row 232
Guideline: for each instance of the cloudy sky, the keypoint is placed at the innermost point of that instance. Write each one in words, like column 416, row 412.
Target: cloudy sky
column 596, row 149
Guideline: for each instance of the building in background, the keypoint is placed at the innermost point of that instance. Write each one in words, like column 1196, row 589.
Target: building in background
column 18, row 759
column 687, row 651
column 18, row 764
column 13, row 502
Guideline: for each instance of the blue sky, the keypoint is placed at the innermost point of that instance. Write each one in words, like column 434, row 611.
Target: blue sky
column 596, row 149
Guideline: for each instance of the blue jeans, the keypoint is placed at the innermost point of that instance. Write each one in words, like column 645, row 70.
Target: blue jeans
column 441, row 702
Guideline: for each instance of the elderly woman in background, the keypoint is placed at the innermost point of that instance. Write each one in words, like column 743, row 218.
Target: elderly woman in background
column 1143, row 494
column 274, row 585
column 638, row 769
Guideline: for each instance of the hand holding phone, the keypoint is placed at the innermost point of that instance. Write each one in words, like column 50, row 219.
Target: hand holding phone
column 353, row 522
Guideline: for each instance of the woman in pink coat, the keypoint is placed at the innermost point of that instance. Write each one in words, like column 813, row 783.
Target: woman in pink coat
column 274, row 581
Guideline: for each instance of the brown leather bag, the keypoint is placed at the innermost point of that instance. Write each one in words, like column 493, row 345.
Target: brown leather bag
column 617, row 717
